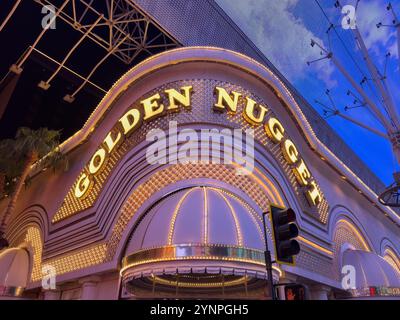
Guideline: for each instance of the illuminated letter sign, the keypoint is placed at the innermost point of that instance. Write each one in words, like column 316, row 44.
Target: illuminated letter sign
column 251, row 110
column 224, row 99
column 254, row 113
column 182, row 99
column 274, row 130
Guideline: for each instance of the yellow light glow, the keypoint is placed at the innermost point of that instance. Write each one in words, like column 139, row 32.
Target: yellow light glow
column 356, row 233
column 279, row 87
column 82, row 185
column 302, row 173
column 226, row 100
column 250, row 112
column 315, row 245
column 391, row 257
column 274, row 130
column 176, row 98
column 97, row 161
column 130, row 121
column 111, row 141
column 205, row 217
column 230, row 283
column 151, row 107
column 290, row 152
column 175, row 215
column 235, row 218
column 313, row 195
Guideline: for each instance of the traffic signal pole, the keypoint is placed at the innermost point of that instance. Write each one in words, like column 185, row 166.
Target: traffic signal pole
column 268, row 260
column 284, row 231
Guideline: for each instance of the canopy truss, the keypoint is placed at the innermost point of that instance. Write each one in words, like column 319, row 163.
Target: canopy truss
column 119, row 27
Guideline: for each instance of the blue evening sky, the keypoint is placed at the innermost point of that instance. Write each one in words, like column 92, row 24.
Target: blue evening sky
column 282, row 29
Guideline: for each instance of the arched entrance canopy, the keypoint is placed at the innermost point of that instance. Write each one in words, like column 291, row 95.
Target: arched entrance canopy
column 235, row 60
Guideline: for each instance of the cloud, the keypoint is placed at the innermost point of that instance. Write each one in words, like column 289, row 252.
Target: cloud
column 282, row 37
column 381, row 40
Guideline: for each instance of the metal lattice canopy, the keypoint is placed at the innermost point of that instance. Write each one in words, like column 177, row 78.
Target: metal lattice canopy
column 383, row 108
column 117, row 26
column 391, row 196
column 60, row 52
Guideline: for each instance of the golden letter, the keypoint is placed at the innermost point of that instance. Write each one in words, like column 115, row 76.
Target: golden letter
column 111, row 142
column 151, row 106
column 97, row 161
column 290, row 151
column 82, row 185
column 126, row 121
column 177, row 97
column 274, row 130
column 225, row 100
column 302, row 174
column 313, row 195
column 249, row 112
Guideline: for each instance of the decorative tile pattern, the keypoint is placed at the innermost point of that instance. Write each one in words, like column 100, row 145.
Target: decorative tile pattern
column 34, row 238
column 174, row 174
column 345, row 233
column 202, row 112
column 314, row 263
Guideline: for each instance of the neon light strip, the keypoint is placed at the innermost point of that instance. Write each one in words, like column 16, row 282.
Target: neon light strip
column 205, row 217
column 235, row 218
column 122, row 84
column 250, row 211
column 357, row 233
column 235, row 282
column 315, row 245
column 174, row 216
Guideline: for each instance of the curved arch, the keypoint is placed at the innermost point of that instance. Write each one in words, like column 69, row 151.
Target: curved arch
column 234, row 216
column 30, row 238
column 345, row 235
column 387, row 243
column 33, row 215
column 392, row 259
column 29, row 229
column 266, row 172
column 154, row 180
column 340, row 212
column 15, row 270
column 269, row 188
column 390, row 254
column 192, row 184
column 121, row 185
column 175, row 215
column 34, row 240
column 235, row 60
column 351, row 228
column 167, row 174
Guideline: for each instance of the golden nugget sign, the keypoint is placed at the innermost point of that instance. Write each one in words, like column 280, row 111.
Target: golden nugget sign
column 253, row 113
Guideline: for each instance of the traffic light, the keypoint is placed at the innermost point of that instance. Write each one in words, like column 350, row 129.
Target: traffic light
column 295, row 292
column 284, row 230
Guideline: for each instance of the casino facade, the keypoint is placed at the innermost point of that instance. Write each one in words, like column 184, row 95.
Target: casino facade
column 115, row 226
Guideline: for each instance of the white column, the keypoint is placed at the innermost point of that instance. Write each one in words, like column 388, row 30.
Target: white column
column 51, row 294
column 89, row 287
column 319, row 292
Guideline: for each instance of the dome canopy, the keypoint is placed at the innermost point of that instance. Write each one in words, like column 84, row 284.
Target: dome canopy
column 197, row 215
column 14, row 271
column 198, row 239
column 371, row 269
